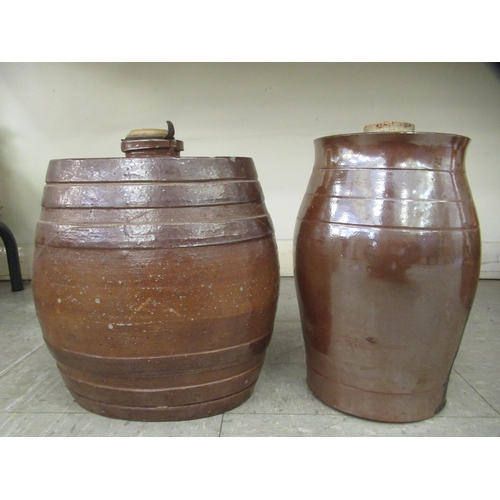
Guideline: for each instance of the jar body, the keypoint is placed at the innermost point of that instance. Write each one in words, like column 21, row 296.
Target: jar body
column 156, row 282
column 387, row 259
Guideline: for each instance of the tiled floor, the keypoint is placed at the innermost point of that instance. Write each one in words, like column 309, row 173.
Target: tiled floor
column 35, row 402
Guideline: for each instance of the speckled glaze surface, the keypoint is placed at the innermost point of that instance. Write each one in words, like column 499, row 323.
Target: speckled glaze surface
column 156, row 280
column 387, row 258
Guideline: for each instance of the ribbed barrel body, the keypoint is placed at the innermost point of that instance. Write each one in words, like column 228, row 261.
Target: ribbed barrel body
column 156, row 283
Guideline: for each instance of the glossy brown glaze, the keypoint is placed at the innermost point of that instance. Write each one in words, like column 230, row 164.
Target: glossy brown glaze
column 387, row 257
column 156, row 283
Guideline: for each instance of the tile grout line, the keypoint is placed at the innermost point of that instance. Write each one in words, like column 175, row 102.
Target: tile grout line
column 474, row 389
column 352, row 417
column 221, row 422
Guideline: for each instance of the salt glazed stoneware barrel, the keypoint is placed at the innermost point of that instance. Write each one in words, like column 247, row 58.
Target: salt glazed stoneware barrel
column 156, row 279
column 387, row 258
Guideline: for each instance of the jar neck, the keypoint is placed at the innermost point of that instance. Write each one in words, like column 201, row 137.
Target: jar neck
column 428, row 151
column 151, row 147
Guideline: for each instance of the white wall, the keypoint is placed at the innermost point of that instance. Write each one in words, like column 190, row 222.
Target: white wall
column 269, row 111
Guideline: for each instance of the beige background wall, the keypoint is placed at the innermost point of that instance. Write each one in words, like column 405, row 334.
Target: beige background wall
column 269, row 111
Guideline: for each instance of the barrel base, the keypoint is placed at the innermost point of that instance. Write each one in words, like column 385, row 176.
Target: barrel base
column 378, row 406
column 165, row 413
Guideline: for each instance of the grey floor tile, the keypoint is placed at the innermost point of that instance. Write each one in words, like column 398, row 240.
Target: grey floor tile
column 25, row 424
column 483, row 338
column 282, row 388
column 484, row 383
column 478, row 361
column 90, row 425
column 287, row 303
column 20, row 331
column 287, row 344
column 235, row 425
column 462, row 400
column 35, row 386
column 486, row 391
column 273, row 425
column 486, row 307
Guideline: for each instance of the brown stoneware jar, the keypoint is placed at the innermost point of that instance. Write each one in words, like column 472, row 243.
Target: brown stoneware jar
column 387, row 258
column 156, row 279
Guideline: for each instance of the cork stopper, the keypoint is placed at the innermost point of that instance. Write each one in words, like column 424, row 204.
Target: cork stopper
column 147, row 142
column 390, row 127
column 152, row 133
column 148, row 133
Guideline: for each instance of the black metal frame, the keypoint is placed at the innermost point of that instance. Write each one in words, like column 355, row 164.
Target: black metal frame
column 9, row 241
